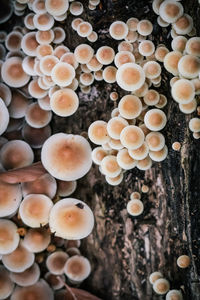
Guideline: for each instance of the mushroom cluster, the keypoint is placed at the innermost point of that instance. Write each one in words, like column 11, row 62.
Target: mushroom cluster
column 183, row 62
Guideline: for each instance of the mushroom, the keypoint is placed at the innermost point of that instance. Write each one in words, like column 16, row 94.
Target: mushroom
column 43, row 21
column 179, row 43
column 6, row 283
column 71, row 219
column 77, row 268
column 13, row 41
column 132, row 24
column 38, row 6
column 140, row 153
column 155, row 119
column 151, row 98
column 36, row 137
column 36, row 91
column 114, row 96
column 36, row 240
column 124, row 57
column 66, row 188
column 176, row 146
column 9, row 237
column 159, row 155
column 56, row 282
column 118, row 30
column 125, row 46
column 132, row 137
column 174, row 295
column 115, row 126
column 109, row 74
column 155, row 276
column 161, row 286
column 152, row 69
column 62, row 74
column 28, row 65
column 29, row 44
column 47, row 63
column 60, row 50
column 105, row 55
column 10, row 198
column 44, row 37
column 18, row 105
column 124, row 160
column 188, row 108
column 160, row 53
column 69, row 58
column 193, row 46
column 115, row 180
column 194, row 125
column 83, row 53
column 135, row 195
column 98, row 154
column 183, row 91
column 87, row 78
column 56, row 8
column 84, row 29
column 4, row 117
column 66, row 156
column 135, row 207
column 189, row 66
column 183, row 25
column 170, row 10
column 28, row 277
column 146, row 48
column 97, row 132
column 171, row 62
column 56, row 261
column 144, row 27
column 76, row 8
column 75, row 23
column 44, row 50
column 144, row 164
column 28, row 21
column 94, row 64
column 34, row 210
column 37, row 117
column 59, row 35
column 155, row 141
column 93, row 37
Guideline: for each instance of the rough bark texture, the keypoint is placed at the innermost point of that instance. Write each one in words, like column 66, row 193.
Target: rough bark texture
column 124, row 250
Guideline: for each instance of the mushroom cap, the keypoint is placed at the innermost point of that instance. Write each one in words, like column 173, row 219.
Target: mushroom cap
column 28, row 21
column 132, row 24
column 94, row 64
column 171, row 62
column 162, row 101
column 28, row 277
column 69, row 58
column 45, row 184
column 114, row 180
column 159, row 155
column 13, row 74
column 64, row 102
column 189, row 66
column 183, row 91
column 110, row 166
column 28, row 65
column 83, row 53
column 34, row 210
column 37, row 117
column 10, row 198
column 97, row 132
column 77, row 268
column 130, row 76
column 44, row 50
column 16, row 154
column 161, row 286
column 194, row 125
column 144, row 164
column 29, row 44
column 43, row 21
column 9, row 237
column 130, row 107
column 118, row 30
column 44, row 37
column 6, row 283
column 13, row 41
column 76, row 8
column 146, row 48
column 155, row 119
column 98, row 154
column 132, row 137
column 56, row 8
column 84, row 29
column 160, row 53
column 47, row 63
column 176, row 146
column 115, row 126
column 39, row 290
column 35, row 90
column 125, row 46
column 170, row 10
column 135, row 207
column 56, row 261
column 87, row 79
column 71, row 219
column 124, row 57
column 174, row 295
column 139, row 153
column 59, row 35
column 105, row 55
column 189, row 107
column 38, row 6
column 75, row 23
column 93, row 37
column 144, row 27
column 152, row 69
column 154, row 276
column 60, row 50
column 62, row 74
column 66, row 188
column 37, row 239
column 109, row 74
column 66, row 156
column 155, row 141
column 152, row 97
column 4, row 117
column 124, row 160
column 179, row 43
column 193, row 46
column 135, row 195
column 183, row 25
column 18, row 106
column 36, row 137
column 56, row 282
column 19, row 260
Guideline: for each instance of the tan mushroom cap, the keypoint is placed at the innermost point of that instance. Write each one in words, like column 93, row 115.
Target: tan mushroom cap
column 109, row 74
column 37, row 239
column 155, row 119
column 118, row 30
column 179, row 43
column 76, row 8
column 125, row 46
column 59, row 35
column 183, row 91
column 115, row 126
column 28, row 277
column 124, row 57
column 176, row 146
column 194, row 125
column 6, row 283
column 171, row 62
column 4, row 117
column 140, row 153
column 174, row 295
column 13, row 41
column 29, row 44
column 86, row 79
column 162, row 101
column 105, row 55
column 83, row 53
column 170, row 11
column 9, row 237
column 131, row 37
column 146, row 48
column 135, row 207
column 44, row 37
column 35, row 90
column 36, row 137
column 37, row 117
column 159, row 155
column 156, row 5
column 161, row 22
column 114, row 96
column 16, row 154
column 18, row 105
column 183, row 25
column 132, row 24
column 189, row 107
column 76, row 22
column 97, row 132
column 71, row 219
column 124, row 160
column 130, row 76
column 160, row 53
column 84, row 29
column 144, row 164
column 56, row 282
column 93, row 37
column 34, row 210
column 94, row 64
column 114, row 180
column 130, row 107
column 152, row 97
column 77, row 268
column 132, row 137
column 56, row 261
column 98, row 154
column 66, row 156
column 152, row 69
column 38, row 6
column 47, row 63
column 110, row 166
column 57, row 7
column 63, row 74
column 43, row 21
column 28, row 21
column 155, row 141
column 66, row 188
column 161, row 286
column 19, row 260
column 155, row 276
column 60, row 50
column 189, row 66
column 10, row 198
column 135, row 195
column 114, row 144
column 69, row 58
column 28, row 65
column 144, row 27
column 44, row 50
column 39, row 290
column 13, row 74
column 98, row 75
column 193, row 46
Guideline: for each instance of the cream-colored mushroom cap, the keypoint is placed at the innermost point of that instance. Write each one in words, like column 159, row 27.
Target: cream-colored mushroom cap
column 35, row 90
column 130, row 107
column 110, row 166
column 115, row 126
column 77, row 268
column 105, row 55
column 189, row 107
column 152, row 69
column 193, row 46
column 16, row 154
column 37, row 117
column 5, row 94
column 109, row 74
column 156, row 5
column 83, row 53
column 125, row 46
column 29, row 44
column 146, row 48
column 154, row 276
column 36, row 137
column 152, row 97
column 174, row 295
column 43, row 21
column 144, row 27
column 76, row 8
column 66, row 188
column 140, row 153
column 159, row 155
column 161, row 22
column 56, row 261
column 69, row 58
column 93, row 37
column 19, row 260
column 44, row 37
column 161, row 286
column 84, row 29
column 97, row 132
column 170, row 10
column 118, row 30
column 6, row 283
column 160, row 53
column 38, row 6
column 124, row 57
column 189, row 66
column 135, row 207
column 10, row 198
column 71, row 219
column 66, row 156
column 194, row 125
column 162, row 101
column 56, row 7
column 60, row 50
column 155, row 119
column 39, row 290
column 130, row 76
column 18, row 106
column 76, row 22
column 47, row 63
column 155, row 141
column 13, row 74
column 28, row 21
column 9, row 237
column 56, row 282
column 171, row 62
column 132, row 137
column 179, row 43
column 183, row 91
column 86, row 79
column 59, row 35
column 125, row 161
column 114, row 180
column 132, row 24
column 13, row 41
column 183, row 25
column 144, row 164
column 34, row 210
column 4, row 117
column 62, row 74
column 94, row 64
column 64, row 102
column 36, row 239
column 98, row 154
column 28, row 277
